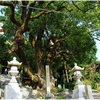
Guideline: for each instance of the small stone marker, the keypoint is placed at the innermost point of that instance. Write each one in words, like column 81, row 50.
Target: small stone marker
column 47, row 79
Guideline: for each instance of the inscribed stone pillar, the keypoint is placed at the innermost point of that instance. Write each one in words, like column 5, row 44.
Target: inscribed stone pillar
column 47, row 79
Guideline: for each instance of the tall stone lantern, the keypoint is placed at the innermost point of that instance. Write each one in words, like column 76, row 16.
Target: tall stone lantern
column 79, row 89
column 12, row 90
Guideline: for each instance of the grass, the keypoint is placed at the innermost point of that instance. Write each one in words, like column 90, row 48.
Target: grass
column 60, row 97
column 98, row 88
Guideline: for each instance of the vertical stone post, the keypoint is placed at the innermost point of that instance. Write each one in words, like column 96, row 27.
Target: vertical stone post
column 48, row 94
column 47, row 79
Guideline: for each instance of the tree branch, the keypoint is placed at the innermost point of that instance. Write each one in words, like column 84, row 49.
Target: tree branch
column 26, row 20
column 5, row 3
column 42, row 12
column 38, row 15
column 29, row 13
column 80, row 8
column 12, row 17
column 62, row 7
column 91, row 35
column 24, row 9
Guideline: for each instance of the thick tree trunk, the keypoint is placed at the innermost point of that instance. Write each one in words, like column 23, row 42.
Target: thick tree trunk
column 39, row 65
column 40, row 68
column 26, row 66
column 39, row 53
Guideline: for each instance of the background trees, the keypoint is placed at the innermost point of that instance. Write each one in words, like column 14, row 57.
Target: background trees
column 51, row 32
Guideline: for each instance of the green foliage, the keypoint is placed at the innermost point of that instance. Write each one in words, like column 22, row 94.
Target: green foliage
column 60, row 97
column 3, row 48
column 72, row 25
column 97, row 62
column 60, row 89
column 87, row 82
column 5, row 44
column 0, row 66
column 98, row 88
column 90, row 76
column 30, row 53
column 70, row 85
column 96, row 79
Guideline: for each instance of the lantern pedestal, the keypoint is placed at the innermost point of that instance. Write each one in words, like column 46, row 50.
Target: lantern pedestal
column 12, row 91
column 79, row 89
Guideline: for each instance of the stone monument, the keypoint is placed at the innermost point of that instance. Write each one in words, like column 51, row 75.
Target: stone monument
column 48, row 95
column 12, row 90
column 80, row 91
column 48, row 88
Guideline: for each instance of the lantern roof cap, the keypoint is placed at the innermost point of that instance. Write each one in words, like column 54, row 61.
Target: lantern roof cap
column 14, row 62
column 77, row 68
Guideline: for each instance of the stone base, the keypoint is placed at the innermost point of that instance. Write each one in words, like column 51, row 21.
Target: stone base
column 82, row 92
column 88, row 92
column 79, row 92
column 48, row 96
column 12, row 91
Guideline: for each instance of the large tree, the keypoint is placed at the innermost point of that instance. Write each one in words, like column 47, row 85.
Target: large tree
column 59, row 29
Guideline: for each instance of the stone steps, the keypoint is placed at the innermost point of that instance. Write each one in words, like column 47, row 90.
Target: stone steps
column 96, row 94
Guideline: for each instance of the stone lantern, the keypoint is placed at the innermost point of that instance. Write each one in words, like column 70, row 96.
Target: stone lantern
column 79, row 89
column 14, row 65
column 12, row 90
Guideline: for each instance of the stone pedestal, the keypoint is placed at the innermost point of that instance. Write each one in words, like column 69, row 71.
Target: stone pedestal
column 12, row 91
column 88, row 91
column 79, row 92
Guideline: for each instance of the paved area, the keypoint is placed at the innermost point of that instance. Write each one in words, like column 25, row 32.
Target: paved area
column 29, row 93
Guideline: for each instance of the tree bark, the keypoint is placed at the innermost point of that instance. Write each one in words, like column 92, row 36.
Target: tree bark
column 39, row 52
column 26, row 66
column 66, row 73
